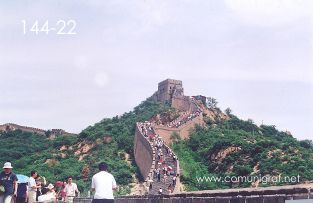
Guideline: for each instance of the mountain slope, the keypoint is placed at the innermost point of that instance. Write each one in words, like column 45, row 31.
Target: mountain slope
column 110, row 140
column 224, row 146
column 240, row 148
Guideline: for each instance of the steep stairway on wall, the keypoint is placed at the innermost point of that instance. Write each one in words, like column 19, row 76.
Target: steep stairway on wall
column 169, row 159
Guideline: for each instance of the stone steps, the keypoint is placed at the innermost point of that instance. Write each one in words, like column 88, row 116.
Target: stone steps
column 168, row 161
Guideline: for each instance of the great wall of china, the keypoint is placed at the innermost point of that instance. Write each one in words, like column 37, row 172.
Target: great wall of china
column 152, row 151
column 49, row 133
column 158, row 164
column 146, row 149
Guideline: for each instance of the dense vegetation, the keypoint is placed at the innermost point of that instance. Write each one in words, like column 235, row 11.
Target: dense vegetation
column 111, row 140
column 221, row 148
column 28, row 152
column 240, row 148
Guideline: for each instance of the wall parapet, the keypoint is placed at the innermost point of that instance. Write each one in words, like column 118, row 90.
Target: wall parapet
column 144, row 154
column 276, row 194
column 145, row 144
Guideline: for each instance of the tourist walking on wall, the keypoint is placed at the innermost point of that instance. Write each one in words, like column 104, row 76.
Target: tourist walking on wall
column 174, row 181
column 70, row 190
column 159, row 176
column 32, row 187
column 8, row 182
column 103, row 184
column 160, row 191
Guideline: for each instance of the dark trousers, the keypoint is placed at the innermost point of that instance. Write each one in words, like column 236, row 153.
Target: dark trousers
column 102, row 201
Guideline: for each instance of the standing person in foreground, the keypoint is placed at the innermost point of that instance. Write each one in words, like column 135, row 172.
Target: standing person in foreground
column 70, row 190
column 32, row 187
column 8, row 181
column 103, row 183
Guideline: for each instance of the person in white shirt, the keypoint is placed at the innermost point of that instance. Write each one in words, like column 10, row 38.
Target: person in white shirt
column 50, row 196
column 103, row 184
column 70, row 190
column 32, row 187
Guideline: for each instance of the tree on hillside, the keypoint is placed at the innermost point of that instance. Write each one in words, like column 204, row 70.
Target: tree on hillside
column 175, row 137
column 211, row 102
column 228, row 111
column 306, row 144
column 250, row 121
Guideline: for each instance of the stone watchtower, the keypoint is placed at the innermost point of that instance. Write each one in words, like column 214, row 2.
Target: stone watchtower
column 168, row 89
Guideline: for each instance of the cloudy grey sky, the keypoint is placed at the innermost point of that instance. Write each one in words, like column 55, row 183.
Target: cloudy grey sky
column 254, row 56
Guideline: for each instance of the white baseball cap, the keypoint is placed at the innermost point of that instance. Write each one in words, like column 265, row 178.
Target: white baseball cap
column 50, row 186
column 7, row 165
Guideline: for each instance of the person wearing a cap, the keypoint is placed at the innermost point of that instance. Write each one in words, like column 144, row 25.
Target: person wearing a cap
column 50, row 196
column 9, row 181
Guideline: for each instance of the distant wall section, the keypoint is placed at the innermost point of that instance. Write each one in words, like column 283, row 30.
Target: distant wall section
column 183, row 131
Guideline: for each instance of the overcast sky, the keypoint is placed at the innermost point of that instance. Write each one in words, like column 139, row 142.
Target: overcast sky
column 254, row 56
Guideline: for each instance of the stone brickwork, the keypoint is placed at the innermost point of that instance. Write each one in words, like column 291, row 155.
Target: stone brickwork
column 172, row 92
column 276, row 194
column 169, row 89
column 144, row 153
column 181, row 103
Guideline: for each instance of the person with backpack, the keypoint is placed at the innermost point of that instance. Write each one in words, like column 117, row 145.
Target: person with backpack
column 8, row 183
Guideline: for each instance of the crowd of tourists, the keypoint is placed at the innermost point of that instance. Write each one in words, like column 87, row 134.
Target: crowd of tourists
column 183, row 119
column 147, row 130
column 165, row 160
column 187, row 116
column 164, row 169
column 35, row 188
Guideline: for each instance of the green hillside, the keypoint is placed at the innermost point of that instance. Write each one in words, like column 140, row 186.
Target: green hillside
column 240, row 148
column 223, row 147
column 29, row 152
column 112, row 140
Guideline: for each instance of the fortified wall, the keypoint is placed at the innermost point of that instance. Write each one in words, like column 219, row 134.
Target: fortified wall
column 172, row 92
column 276, row 194
column 53, row 133
column 12, row 127
column 183, row 131
column 144, row 153
column 145, row 144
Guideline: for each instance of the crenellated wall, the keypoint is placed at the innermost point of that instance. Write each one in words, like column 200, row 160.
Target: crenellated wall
column 50, row 133
column 12, row 126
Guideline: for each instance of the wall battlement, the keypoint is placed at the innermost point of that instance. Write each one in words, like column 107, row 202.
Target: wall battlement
column 169, row 89
column 50, row 133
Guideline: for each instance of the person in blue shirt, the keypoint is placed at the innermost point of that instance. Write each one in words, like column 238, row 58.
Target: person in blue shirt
column 21, row 193
column 8, row 181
